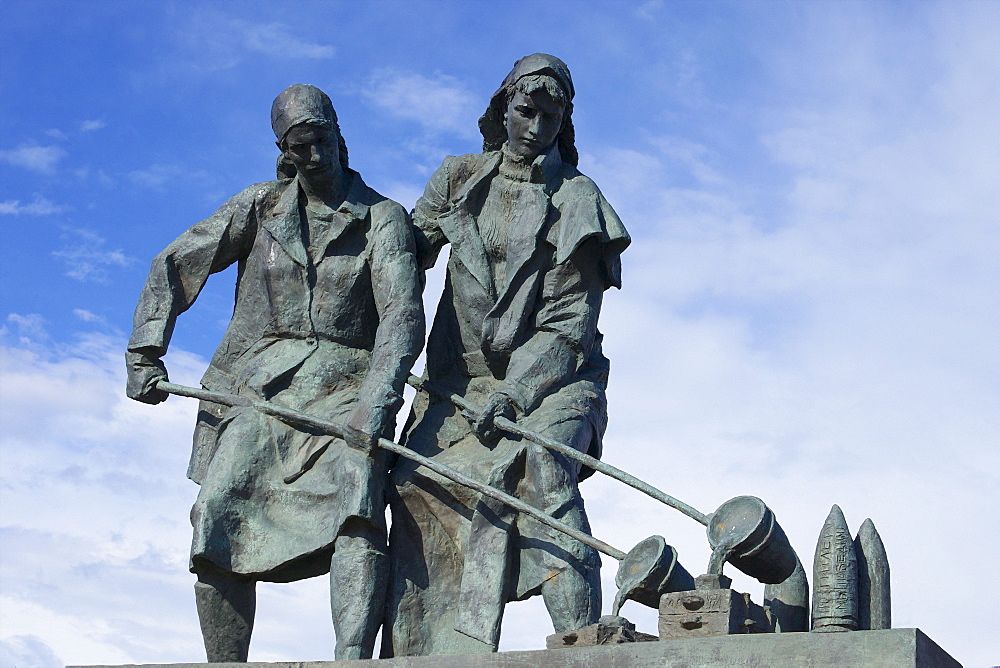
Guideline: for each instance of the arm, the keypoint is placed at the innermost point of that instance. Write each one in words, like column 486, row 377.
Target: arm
column 563, row 328
column 175, row 279
column 400, row 336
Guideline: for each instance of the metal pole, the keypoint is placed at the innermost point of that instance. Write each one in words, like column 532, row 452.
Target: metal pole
column 294, row 417
column 585, row 459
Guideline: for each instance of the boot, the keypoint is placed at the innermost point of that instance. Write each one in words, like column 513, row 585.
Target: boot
column 226, row 607
column 358, row 579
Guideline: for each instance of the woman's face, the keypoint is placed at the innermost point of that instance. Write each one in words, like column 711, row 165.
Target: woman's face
column 533, row 123
column 314, row 150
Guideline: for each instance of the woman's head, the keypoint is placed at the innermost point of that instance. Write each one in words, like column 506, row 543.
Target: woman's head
column 534, row 97
column 303, row 105
column 534, row 115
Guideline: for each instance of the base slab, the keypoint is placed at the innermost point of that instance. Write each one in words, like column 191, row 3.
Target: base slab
column 894, row 647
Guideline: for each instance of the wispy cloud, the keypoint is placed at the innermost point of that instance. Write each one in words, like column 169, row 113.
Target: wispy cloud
column 222, row 41
column 90, row 126
column 42, row 159
column 277, row 39
column 56, row 133
column 87, row 316
column 155, row 175
column 439, row 103
column 99, row 175
column 30, row 328
column 40, row 206
column 86, row 258
column 28, row 650
column 648, row 9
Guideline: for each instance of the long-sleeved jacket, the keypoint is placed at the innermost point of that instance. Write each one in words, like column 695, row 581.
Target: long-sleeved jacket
column 538, row 332
column 530, row 332
column 328, row 319
column 355, row 285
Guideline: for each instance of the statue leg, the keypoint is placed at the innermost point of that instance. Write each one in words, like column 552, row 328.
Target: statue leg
column 359, row 573
column 573, row 599
column 226, row 605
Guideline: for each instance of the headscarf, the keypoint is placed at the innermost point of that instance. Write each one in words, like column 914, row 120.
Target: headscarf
column 492, row 125
column 302, row 103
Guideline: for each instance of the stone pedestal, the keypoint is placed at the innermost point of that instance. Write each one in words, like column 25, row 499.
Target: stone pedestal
column 908, row 648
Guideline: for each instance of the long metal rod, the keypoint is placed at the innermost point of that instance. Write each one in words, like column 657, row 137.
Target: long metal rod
column 585, row 459
column 296, row 417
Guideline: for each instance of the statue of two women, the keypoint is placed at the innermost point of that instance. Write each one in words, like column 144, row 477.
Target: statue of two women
column 328, row 320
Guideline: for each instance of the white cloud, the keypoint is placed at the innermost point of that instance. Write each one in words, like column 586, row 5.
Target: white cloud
column 87, row 316
column 86, row 258
column 56, row 133
column 40, row 206
column 277, row 39
column 42, row 159
column 91, row 125
column 30, row 328
column 28, row 651
column 439, row 103
column 99, row 175
column 221, row 41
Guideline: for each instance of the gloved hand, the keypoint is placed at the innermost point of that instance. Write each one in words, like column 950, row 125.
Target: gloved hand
column 144, row 372
column 499, row 405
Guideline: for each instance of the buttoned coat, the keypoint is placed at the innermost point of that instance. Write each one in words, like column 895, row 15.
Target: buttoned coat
column 327, row 318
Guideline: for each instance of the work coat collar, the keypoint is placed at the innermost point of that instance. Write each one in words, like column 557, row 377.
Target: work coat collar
column 522, row 237
column 285, row 221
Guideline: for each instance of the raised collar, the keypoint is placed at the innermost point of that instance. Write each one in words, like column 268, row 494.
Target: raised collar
column 285, row 224
column 544, row 169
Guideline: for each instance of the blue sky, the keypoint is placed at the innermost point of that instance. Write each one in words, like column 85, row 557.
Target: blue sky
column 809, row 310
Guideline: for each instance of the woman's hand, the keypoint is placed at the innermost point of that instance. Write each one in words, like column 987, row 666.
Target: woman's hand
column 144, row 372
column 499, row 405
column 363, row 429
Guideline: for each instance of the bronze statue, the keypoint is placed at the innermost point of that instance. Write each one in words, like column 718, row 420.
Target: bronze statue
column 328, row 319
column 534, row 245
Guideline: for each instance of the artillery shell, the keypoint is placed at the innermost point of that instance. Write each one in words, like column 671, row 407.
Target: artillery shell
column 788, row 603
column 835, row 577
column 874, row 606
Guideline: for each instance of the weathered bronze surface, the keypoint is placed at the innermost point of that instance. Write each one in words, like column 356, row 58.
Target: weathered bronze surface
column 710, row 612
column 835, row 577
column 649, row 570
column 328, row 319
column 609, row 630
column 787, row 603
column 874, row 600
column 534, row 245
column 745, row 532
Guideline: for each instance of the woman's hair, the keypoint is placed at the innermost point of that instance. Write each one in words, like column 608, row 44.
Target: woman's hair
column 536, row 82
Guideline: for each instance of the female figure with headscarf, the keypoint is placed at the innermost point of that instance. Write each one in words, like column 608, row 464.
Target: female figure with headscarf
column 328, row 320
column 534, row 245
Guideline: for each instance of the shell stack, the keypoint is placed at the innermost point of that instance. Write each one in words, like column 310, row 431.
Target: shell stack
column 850, row 578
